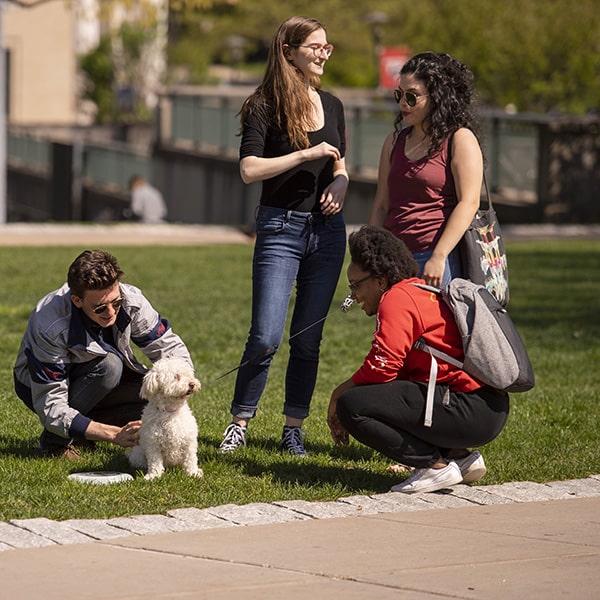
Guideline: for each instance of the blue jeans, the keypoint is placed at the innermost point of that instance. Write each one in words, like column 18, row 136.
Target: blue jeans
column 102, row 389
column 452, row 270
column 306, row 248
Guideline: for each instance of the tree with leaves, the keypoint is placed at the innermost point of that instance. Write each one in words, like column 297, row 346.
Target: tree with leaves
column 540, row 55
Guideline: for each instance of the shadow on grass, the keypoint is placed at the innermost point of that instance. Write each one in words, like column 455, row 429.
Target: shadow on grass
column 344, row 467
column 19, row 448
column 92, row 459
column 350, row 479
column 89, row 462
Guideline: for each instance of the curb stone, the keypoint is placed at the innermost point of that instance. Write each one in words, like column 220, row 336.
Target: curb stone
column 38, row 532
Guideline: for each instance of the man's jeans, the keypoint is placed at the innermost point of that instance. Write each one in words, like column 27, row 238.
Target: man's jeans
column 103, row 390
column 290, row 247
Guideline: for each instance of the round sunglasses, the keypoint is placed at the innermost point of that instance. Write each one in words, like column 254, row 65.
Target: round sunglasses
column 411, row 97
column 116, row 304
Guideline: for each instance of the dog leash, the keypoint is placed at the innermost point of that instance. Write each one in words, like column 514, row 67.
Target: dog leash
column 344, row 307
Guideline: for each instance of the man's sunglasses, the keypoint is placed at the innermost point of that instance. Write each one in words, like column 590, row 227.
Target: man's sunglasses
column 411, row 97
column 101, row 308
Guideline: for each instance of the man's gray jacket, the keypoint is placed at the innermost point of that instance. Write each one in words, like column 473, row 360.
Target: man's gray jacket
column 56, row 338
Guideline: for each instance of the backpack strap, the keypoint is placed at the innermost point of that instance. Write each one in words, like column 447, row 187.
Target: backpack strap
column 429, row 288
column 421, row 344
column 449, row 160
column 433, row 370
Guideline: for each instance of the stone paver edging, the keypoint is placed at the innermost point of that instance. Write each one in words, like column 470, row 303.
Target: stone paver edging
column 31, row 533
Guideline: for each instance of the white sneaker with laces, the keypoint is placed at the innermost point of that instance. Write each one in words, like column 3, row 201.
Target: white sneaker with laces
column 234, row 437
column 430, row 480
column 471, row 466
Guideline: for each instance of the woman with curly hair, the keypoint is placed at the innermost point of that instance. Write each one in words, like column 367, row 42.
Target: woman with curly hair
column 383, row 404
column 431, row 165
column 293, row 141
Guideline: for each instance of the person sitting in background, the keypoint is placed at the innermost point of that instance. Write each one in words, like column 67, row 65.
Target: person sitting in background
column 383, row 404
column 147, row 203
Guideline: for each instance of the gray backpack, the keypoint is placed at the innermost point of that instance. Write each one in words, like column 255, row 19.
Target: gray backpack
column 494, row 351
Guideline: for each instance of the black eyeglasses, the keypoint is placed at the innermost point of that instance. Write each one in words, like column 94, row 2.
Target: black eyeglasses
column 354, row 285
column 101, row 308
column 411, row 97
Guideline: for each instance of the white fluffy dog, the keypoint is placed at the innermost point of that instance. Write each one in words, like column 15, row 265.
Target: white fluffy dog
column 169, row 431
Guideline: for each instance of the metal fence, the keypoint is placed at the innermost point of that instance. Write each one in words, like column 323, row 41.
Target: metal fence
column 113, row 165
column 29, row 151
column 209, row 123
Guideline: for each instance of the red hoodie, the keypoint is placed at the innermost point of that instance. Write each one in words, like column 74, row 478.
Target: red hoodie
column 405, row 314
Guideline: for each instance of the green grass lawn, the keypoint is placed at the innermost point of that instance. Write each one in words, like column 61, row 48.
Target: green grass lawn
column 552, row 431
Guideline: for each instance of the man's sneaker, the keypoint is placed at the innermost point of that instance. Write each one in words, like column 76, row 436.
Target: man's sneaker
column 291, row 441
column 430, row 480
column 233, row 438
column 471, row 466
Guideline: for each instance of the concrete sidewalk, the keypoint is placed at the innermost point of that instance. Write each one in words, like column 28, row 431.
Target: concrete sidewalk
column 118, row 234
column 512, row 540
column 137, row 234
column 544, row 549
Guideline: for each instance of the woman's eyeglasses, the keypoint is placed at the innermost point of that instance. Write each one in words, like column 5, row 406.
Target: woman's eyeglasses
column 354, row 285
column 101, row 308
column 411, row 97
column 318, row 49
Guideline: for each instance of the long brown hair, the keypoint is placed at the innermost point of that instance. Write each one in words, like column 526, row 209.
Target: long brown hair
column 283, row 93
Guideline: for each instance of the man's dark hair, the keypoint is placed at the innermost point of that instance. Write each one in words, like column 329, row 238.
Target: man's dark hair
column 93, row 270
column 378, row 251
column 134, row 180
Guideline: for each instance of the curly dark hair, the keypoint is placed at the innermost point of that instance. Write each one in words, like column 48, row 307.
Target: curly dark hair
column 449, row 85
column 379, row 251
column 93, row 270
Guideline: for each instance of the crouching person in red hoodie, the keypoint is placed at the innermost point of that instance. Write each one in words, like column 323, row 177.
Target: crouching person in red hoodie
column 383, row 404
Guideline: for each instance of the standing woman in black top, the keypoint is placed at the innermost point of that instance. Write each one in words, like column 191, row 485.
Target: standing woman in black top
column 293, row 140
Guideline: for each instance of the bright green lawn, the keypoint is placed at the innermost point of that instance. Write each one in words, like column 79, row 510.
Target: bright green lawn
column 552, row 432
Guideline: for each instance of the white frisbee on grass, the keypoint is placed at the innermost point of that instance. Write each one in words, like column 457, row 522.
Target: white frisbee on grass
column 100, row 477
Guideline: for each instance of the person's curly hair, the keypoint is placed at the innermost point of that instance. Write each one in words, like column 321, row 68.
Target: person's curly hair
column 379, row 251
column 93, row 270
column 449, row 85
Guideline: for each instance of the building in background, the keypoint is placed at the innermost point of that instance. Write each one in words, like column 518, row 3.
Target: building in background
column 41, row 64
column 43, row 43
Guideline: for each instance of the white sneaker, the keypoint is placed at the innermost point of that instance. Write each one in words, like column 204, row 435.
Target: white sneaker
column 430, row 480
column 234, row 437
column 471, row 466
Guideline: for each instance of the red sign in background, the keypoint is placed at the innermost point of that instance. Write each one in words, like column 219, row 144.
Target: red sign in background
column 390, row 63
